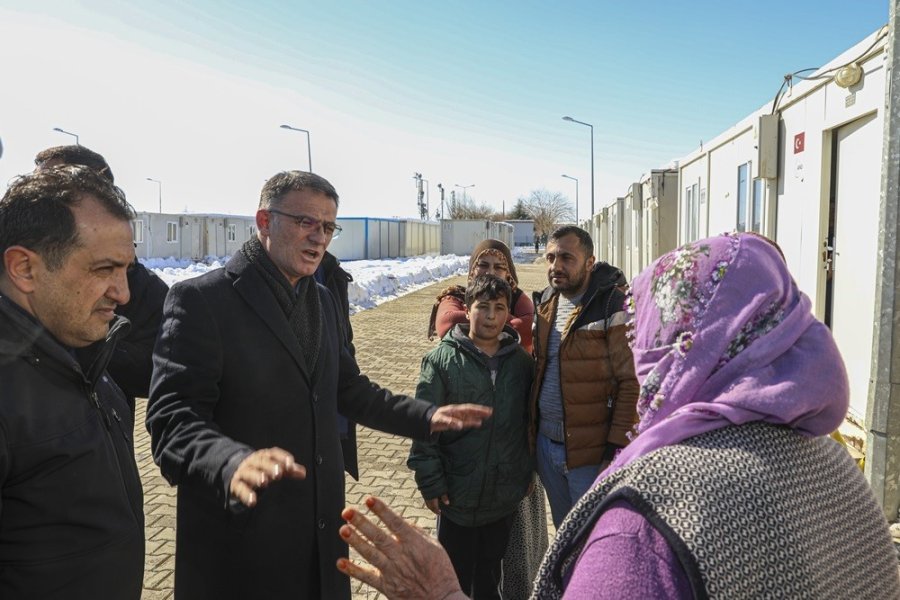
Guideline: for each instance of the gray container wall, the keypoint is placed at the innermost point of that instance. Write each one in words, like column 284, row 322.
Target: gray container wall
column 660, row 214
column 373, row 238
column 600, row 234
column 155, row 242
column 461, row 236
column 352, row 243
column 523, row 233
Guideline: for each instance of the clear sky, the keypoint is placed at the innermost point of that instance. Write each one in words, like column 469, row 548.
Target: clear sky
column 193, row 93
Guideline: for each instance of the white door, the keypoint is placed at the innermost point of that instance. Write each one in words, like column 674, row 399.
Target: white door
column 857, row 172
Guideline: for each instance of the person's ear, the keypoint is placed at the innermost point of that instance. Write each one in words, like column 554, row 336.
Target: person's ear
column 263, row 218
column 19, row 264
column 590, row 262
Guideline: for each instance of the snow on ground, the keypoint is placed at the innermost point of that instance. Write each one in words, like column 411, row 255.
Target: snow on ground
column 374, row 281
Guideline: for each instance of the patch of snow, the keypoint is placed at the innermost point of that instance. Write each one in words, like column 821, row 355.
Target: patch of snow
column 374, row 281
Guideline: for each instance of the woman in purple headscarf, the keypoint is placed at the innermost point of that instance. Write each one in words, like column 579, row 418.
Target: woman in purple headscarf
column 731, row 487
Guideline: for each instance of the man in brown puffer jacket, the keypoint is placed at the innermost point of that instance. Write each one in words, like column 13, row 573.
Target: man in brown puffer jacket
column 585, row 391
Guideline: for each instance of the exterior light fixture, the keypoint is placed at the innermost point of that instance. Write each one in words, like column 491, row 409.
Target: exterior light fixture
column 848, row 75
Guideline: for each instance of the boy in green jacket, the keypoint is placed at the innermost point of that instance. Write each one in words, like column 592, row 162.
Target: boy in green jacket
column 474, row 480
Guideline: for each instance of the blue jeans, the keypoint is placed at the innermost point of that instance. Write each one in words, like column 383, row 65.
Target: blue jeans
column 564, row 486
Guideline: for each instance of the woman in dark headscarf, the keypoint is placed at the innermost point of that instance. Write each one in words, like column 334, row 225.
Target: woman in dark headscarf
column 490, row 257
column 731, row 487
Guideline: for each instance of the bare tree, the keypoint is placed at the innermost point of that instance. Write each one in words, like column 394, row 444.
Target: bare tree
column 467, row 209
column 548, row 209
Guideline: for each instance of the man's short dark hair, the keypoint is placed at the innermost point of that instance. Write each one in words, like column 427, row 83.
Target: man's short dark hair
column 488, row 287
column 282, row 183
column 76, row 155
column 36, row 210
column 584, row 238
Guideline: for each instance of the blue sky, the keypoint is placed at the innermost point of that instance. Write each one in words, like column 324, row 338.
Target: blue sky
column 463, row 92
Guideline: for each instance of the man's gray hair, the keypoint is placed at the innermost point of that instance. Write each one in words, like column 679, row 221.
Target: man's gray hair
column 282, row 183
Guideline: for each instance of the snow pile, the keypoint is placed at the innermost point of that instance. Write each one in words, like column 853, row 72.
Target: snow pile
column 374, row 281
column 172, row 270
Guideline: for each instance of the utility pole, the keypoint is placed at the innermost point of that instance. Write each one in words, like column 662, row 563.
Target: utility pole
column 440, row 186
column 423, row 209
column 883, row 409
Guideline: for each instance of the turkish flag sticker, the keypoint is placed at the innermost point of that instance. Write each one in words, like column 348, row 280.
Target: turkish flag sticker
column 799, row 142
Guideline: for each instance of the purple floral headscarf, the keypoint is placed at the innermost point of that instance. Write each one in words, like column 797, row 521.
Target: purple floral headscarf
column 721, row 335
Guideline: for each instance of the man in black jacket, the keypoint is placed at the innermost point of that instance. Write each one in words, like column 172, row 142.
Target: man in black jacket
column 71, row 510
column 337, row 280
column 250, row 371
column 131, row 364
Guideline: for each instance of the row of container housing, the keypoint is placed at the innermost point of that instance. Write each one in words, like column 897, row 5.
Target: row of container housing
column 805, row 171
column 197, row 236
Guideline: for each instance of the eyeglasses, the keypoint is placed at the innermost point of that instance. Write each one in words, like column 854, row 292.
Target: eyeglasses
column 332, row 230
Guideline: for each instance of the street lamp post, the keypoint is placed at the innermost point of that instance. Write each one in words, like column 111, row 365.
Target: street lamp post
column 308, row 143
column 440, row 186
column 427, row 196
column 419, row 179
column 575, row 179
column 592, row 158
column 74, row 135
column 464, row 188
column 159, row 186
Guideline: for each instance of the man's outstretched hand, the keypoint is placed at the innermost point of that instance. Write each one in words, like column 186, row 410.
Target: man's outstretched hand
column 405, row 564
column 259, row 470
column 459, row 416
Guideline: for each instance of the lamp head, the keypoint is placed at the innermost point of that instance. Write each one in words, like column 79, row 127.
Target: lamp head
column 848, row 75
column 568, row 119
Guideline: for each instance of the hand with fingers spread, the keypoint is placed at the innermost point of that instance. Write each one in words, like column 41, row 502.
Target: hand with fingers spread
column 259, row 470
column 405, row 564
column 459, row 416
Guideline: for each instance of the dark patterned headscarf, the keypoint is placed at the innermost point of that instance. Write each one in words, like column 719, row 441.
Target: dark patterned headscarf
column 499, row 250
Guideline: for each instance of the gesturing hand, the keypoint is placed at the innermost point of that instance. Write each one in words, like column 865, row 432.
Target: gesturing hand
column 405, row 564
column 260, row 469
column 459, row 416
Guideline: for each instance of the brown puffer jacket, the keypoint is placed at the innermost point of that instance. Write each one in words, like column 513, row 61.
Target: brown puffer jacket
column 597, row 369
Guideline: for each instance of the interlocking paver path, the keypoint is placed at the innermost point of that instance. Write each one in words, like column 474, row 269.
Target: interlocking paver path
column 390, row 341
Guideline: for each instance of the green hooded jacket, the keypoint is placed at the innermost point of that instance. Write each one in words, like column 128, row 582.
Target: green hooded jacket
column 485, row 472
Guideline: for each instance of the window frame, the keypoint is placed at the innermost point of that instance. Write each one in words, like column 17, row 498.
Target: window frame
column 743, row 198
column 137, row 231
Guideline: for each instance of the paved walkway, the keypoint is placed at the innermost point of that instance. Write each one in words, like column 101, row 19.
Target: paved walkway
column 390, row 341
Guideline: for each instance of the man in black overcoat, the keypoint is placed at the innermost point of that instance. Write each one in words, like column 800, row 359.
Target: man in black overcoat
column 250, row 371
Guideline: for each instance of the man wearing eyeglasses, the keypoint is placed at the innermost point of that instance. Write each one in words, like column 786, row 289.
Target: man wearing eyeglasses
column 250, row 371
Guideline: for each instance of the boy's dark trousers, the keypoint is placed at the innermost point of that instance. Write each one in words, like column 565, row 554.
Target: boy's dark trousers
column 477, row 555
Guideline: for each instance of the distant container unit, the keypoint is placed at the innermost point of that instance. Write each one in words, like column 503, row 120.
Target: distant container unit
column 461, row 236
column 805, row 171
column 523, row 231
column 189, row 236
column 376, row 238
column 641, row 225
